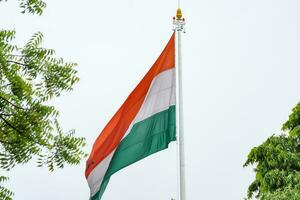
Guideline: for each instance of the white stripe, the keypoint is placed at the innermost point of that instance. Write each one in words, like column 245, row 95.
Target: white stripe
column 160, row 96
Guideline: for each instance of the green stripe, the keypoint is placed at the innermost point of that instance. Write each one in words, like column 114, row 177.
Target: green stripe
column 145, row 138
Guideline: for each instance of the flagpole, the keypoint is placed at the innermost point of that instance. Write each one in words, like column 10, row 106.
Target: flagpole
column 179, row 27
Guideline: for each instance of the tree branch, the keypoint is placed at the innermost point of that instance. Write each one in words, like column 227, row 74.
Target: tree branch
column 18, row 63
column 10, row 125
column 20, row 132
column 12, row 103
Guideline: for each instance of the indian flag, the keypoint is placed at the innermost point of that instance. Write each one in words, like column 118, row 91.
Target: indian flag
column 143, row 125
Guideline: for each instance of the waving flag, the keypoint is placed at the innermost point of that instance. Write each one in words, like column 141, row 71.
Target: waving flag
column 143, row 125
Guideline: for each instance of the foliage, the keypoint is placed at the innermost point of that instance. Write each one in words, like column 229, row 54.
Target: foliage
column 285, row 194
column 4, row 192
column 277, row 163
column 31, row 6
column 30, row 77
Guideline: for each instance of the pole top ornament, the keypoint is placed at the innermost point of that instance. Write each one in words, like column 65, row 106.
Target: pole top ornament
column 179, row 13
column 179, row 21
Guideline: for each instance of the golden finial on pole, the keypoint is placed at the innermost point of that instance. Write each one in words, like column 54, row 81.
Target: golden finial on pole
column 179, row 14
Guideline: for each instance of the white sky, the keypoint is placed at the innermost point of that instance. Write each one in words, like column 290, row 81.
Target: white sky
column 241, row 79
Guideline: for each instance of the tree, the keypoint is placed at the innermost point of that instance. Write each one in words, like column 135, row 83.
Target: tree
column 277, row 163
column 30, row 76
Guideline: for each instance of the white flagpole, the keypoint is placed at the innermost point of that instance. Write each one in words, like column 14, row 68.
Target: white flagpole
column 179, row 27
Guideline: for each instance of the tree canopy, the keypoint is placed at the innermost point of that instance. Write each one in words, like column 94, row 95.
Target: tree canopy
column 30, row 77
column 277, row 163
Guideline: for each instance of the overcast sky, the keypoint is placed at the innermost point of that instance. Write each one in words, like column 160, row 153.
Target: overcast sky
column 241, row 69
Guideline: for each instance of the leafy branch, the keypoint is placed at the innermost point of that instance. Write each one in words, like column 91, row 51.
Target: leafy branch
column 277, row 163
